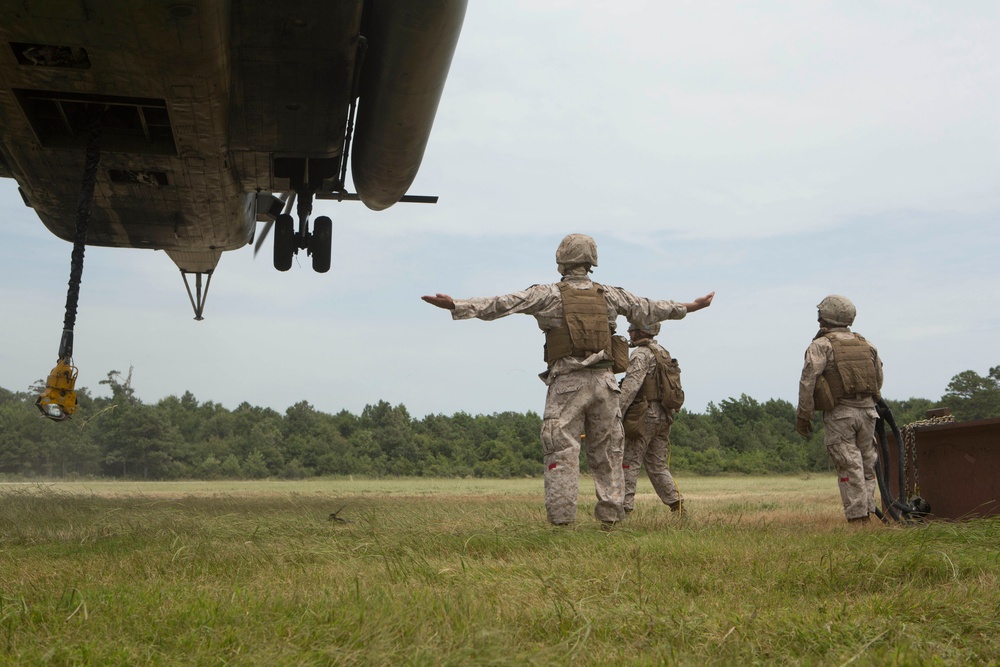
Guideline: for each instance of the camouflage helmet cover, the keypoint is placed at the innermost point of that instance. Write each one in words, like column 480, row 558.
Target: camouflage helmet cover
column 837, row 310
column 651, row 329
column 576, row 249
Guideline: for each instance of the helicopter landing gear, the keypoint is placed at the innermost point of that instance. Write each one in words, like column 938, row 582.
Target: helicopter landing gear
column 305, row 177
column 288, row 242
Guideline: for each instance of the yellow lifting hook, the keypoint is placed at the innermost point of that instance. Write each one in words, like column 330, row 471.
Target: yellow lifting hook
column 58, row 401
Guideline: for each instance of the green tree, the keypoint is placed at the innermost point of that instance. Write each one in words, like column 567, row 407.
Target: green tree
column 910, row 410
column 230, row 468
column 972, row 396
column 180, row 436
column 255, row 467
column 134, row 439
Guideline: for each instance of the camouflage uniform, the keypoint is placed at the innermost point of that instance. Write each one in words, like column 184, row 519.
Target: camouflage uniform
column 582, row 394
column 849, row 429
column 653, row 447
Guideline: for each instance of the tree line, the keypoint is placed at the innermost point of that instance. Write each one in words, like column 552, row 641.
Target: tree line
column 119, row 436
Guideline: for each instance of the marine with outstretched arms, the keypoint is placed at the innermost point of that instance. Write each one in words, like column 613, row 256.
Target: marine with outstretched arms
column 578, row 318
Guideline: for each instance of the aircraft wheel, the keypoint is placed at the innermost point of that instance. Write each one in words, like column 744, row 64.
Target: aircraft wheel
column 284, row 242
column 322, row 243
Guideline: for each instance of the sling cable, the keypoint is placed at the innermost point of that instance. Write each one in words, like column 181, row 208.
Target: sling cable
column 58, row 400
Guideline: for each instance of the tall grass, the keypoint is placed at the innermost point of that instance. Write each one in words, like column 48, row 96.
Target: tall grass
column 764, row 570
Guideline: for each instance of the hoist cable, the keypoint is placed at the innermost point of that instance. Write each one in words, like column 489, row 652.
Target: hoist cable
column 84, row 206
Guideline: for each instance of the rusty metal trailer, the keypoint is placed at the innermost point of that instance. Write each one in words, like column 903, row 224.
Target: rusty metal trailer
column 953, row 466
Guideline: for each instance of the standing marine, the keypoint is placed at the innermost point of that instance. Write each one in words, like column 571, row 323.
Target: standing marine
column 651, row 396
column 578, row 318
column 842, row 378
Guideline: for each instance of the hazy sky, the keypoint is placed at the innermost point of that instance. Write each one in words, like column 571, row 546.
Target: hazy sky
column 775, row 152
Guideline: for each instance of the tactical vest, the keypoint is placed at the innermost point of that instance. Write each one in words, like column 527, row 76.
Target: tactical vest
column 585, row 329
column 852, row 373
column 663, row 385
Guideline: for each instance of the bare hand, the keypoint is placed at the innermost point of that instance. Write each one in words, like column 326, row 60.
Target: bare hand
column 700, row 302
column 441, row 301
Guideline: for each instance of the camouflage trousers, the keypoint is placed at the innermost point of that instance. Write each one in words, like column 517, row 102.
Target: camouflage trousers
column 583, row 402
column 849, row 436
column 651, row 449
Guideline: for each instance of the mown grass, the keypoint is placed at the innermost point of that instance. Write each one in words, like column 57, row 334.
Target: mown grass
column 454, row 572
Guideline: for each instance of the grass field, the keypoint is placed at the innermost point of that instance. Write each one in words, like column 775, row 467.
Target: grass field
column 452, row 572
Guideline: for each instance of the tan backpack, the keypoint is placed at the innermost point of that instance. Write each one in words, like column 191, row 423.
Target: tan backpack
column 668, row 381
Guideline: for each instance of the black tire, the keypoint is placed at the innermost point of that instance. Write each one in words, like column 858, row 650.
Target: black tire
column 284, row 242
column 322, row 244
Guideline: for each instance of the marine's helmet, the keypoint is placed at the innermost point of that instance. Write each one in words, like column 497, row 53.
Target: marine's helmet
column 574, row 250
column 651, row 329
column 837, row 310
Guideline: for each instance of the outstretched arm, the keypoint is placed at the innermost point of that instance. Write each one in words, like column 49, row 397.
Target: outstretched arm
column 441, row 301
column 699, row 303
